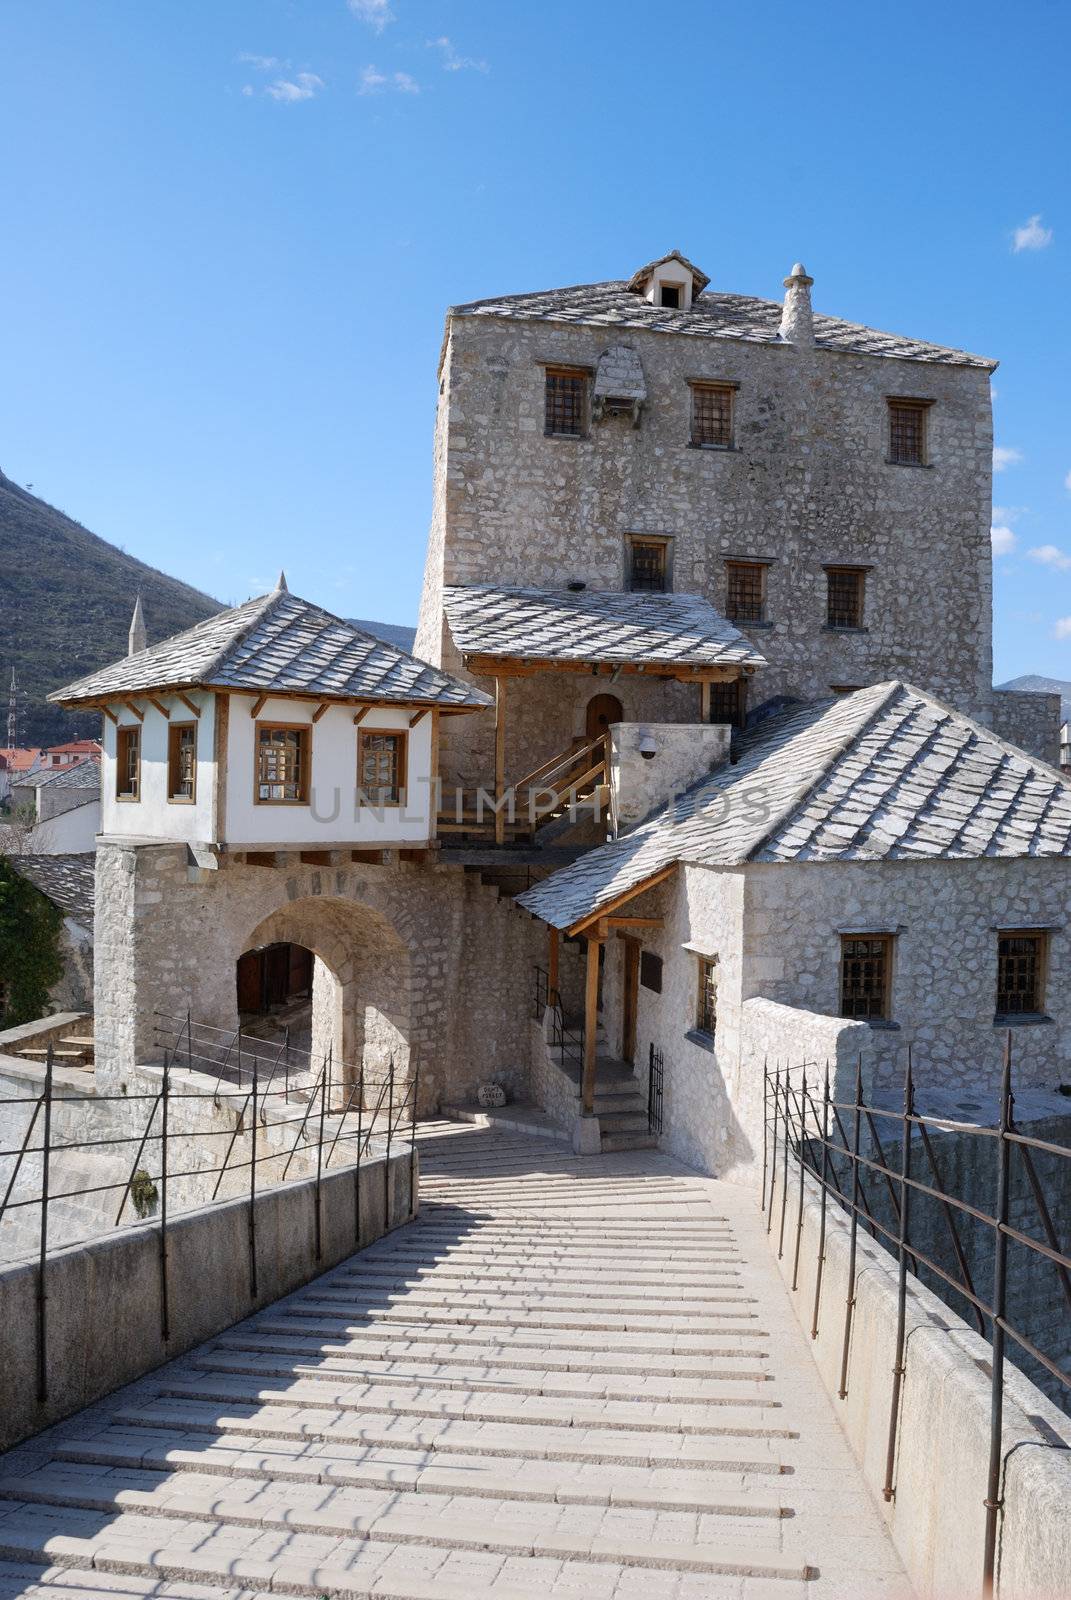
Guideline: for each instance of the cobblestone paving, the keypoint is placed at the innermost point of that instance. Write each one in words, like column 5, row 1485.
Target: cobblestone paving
column 571, row 1377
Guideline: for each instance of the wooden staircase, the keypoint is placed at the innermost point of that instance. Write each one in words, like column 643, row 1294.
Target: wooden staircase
column 544, row 797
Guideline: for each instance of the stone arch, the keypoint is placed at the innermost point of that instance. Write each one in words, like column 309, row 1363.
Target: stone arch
column 361, row 993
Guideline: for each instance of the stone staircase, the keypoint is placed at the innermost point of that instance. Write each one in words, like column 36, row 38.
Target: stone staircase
column 620, row 1101
column 569, row 1378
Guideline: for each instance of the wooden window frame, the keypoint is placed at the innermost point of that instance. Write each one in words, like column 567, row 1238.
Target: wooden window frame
column 836, row 570
column 736, row 566
column 583, row 376
column 888, row 943
column 123, row 734
column 401, row 734
column 665, row 543
column 1041, row 938
column 727, row 391
column 912, row 403
column 706, row 974
column 173, row 747
column 270, row 725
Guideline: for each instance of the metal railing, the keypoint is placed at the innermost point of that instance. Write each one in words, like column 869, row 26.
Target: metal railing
column 344, row 1115
column 655, row 1077
column 807, row 1131
column 567, row 1039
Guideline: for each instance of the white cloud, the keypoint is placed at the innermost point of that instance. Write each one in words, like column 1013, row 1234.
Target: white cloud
column 247, row 89
column 1067, row 483
column 302, row 86
column 1009, row 513
column 1062, row 630
column 261, row 63
column 1003, row 540
column 1031, row 236
column 372, row 81
column 1050, row 556
column 377, row 13
column 1004, row 456
column 452, row 62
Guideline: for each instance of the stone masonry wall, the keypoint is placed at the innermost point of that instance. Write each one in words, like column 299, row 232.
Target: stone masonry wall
column 808, row 483
column 1030, row 721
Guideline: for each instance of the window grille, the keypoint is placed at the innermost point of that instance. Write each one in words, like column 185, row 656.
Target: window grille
column 564, row 402
column 712, row 414
column 1020, row 974
column 865, row 970
column 181, row 761
column 128, row 763
column 726, row 702
column 647, row 566
column 282, row 764
column 907, row 432
column 382, row 767
column 707, row 1013
column 746, row 591
column 845, row 597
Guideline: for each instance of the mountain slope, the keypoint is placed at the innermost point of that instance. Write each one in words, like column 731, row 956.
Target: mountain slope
column 65, row 602
column 393, row 632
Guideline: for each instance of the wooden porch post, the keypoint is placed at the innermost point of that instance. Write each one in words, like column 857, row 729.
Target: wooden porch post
column 500, row 758
column 553, row 944
column 704, row 700
column 591, row 1024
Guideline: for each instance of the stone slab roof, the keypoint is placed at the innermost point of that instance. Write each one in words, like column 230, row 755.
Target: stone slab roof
column 278, row 642
column 593, row 625
column 81, row 775
column 711, row 315
column 887, row 773
column 66, row 880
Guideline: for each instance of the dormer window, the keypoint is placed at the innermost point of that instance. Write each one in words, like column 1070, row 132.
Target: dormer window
column 672, row 282
column 670, row 295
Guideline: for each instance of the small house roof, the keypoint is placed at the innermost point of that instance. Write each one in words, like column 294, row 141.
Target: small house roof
column 278, row 643
column 886, row 773
column 594, row 626
column 66, row 880
column 79, row 775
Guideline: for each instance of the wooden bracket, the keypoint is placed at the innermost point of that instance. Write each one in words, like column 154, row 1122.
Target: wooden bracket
column 159, row 706
column 191, row 705
column 359, row 716
column 132, row 708
column 418, row 716
column 325, row 705
column 258, row 706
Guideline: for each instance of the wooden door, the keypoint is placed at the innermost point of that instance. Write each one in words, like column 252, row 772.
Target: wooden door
column 602, row 710
column 630, row 999
column 250, row 982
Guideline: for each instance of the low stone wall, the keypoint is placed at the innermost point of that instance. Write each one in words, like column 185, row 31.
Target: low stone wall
column 937, row 1517
column 551, row 1088
column 103, row 1299
column 1030, row 721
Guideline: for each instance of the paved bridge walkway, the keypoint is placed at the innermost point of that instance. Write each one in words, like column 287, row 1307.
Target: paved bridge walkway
column 568, row 1378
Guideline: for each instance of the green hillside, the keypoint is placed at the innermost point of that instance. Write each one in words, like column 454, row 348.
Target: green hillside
column 65, row 603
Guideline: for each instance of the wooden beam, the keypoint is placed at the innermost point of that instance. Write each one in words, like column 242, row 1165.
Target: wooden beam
column 325, row 705
column 132, row 708
column 359, row 716
column 111, row 716
column 191, row 705
column 520, row 667
column 258, row 706
column 159, row 706
column 591, row 1027
column 553, row 949
column 619, row 900
column 634, row 922
column 704, row 701
column 418, row 716
column 435, row 797
column 500, row 759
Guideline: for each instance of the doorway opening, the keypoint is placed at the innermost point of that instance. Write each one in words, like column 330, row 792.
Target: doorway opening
column 603, row 709
column 274, row 986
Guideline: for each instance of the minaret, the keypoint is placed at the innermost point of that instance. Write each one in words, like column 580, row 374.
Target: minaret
column 13, row 714
column 797, row 322
column 280, row 584
column 136, row 639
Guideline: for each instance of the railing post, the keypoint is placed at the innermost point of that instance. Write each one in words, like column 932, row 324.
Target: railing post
column 189, row 1041
column 386, row 1158
column 412, row 1141
column 286, row 1065
column 42, row 1296
column 765, row 1126
column 784, row 1171
column 320, row 1161
column 799, row 1212
column 773, row 1153
column 901, row 1298
column 165, row 1309
column 357, row 1168
column 853, row 1232
column 993, row 1498
column 253, row 1186
column 822, row 1203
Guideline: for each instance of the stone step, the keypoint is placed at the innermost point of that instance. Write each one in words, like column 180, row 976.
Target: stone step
column 133, row 1524
column 525, row 1297
column 579, row 1342
column 42, row 1581
column 518, row 1281
column 528, row 1410
column 257, row 1360
column 409, row 1312
column 299, row 1338
column 627, row 1120
column 535, row 1442
column 582, row 1257
column 489, row 1267
column 418, row 1472
column 628, row 1141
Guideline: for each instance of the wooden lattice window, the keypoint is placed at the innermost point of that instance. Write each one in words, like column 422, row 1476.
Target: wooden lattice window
column 565, row 402
column 283, row 751
column 706, row 1016
column 128, row 763
column 866, row 976
column 1021, row 959
column 745, row 593
column 712, row 415
column 727, row 702
column 844, row 604
column 381, row 763
column 182, row 761
column 907, row 432
column 648, row 570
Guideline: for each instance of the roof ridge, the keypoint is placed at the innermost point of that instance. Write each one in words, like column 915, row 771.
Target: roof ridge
column 988, row 733
column 214, row 662
column 804, row 790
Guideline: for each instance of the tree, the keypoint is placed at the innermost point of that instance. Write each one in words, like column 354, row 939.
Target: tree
column 30, row 960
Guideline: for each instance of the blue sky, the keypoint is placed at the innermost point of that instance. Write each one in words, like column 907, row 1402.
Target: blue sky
column 232, row 228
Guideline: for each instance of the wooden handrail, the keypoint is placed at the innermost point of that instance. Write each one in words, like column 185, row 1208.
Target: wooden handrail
column 567, row 760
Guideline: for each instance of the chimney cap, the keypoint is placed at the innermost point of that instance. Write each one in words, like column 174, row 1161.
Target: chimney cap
column 798, row 275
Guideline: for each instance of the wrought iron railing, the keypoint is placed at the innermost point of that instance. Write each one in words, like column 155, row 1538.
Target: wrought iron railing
column 565, row 1037
column 340, row 1115
column 806, row 1131
column 655, row 1075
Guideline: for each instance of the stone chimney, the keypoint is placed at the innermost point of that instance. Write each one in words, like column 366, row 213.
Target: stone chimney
column 136, row 639
column 797, row 323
